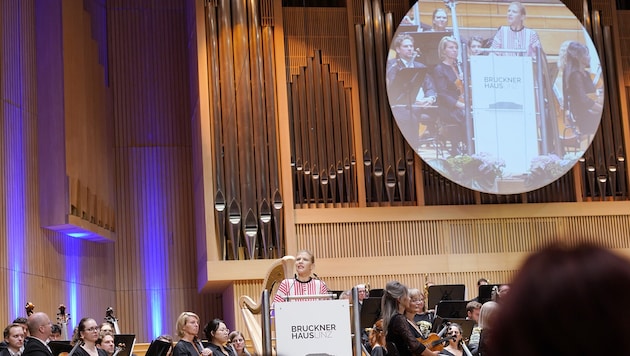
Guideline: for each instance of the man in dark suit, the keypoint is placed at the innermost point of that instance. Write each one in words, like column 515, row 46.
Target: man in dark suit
column 40, row 328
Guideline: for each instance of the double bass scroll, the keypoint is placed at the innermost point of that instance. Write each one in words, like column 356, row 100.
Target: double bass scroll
column 109, row 317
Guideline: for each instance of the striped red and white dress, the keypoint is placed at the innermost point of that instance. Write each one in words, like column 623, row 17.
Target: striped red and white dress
column 524, row 39
column 293, row 287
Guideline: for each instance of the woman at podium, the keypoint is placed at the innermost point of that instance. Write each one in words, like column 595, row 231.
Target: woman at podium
column 304, row 282
column 515, row 38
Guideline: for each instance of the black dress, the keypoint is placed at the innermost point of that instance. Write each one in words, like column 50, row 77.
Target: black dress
column 398, row 332
column 578, row 87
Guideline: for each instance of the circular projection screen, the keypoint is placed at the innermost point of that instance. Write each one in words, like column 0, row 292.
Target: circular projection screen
column 499, row 97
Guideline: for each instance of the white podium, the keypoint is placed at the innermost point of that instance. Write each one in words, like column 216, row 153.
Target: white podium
column 504, row 110
column 320, row 327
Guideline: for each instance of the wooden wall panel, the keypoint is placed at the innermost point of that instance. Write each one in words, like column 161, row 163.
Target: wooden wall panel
column 156, row 269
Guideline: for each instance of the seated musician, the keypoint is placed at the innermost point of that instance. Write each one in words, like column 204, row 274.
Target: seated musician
column 472, row 310
column 583, row 104
column 55, row 332
column 410, row 108
column 449, row 86
column 454, row 346
column 394, row 302
column 87, row 334
column 377, row 339
column 303, row 283
column 107, row 343
column 187, row 329
column 14, row 340
column 439, row 20
column 413, row 309
column 417, row 314
column 218, row 335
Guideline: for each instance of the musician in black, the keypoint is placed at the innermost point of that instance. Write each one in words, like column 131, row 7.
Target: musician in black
column 187, row 329
column 86, row 334
column 39, row 327
column 583, row 104
column 411, row 96
column 218, row 334
column 449, row 85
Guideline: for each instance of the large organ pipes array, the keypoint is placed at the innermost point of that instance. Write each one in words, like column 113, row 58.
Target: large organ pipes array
column 604, row 161
column 321, row 126
column 388, row 161
column 248, row 203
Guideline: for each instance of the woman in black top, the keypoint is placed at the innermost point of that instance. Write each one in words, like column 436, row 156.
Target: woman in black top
column 393, row 304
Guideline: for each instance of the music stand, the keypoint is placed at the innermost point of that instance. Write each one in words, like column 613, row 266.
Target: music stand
column 467, row 325
column 370, row 311
column 452, row 309
column 445, row 292
column 158, row 348
column 57, row 347
column 405, row 86
column 128, row 339
column 375, row 293
column 485, row 292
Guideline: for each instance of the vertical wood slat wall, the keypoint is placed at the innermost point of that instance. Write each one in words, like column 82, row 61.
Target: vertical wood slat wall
column 156, row 254
column 36, row 265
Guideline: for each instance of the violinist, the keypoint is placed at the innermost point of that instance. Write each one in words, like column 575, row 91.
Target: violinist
column 87, row 334
column 454, row 346
column 583, row 103
column 394, row 302
column 413, row 309
column 187, row 330
column 449, row 86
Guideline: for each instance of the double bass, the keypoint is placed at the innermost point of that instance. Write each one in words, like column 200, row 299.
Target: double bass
column 110, row 318
column 62, row 321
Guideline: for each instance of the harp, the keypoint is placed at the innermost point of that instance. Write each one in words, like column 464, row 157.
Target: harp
column 250, row 308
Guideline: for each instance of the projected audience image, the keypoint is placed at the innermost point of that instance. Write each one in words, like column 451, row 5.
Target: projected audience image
column 496, row 98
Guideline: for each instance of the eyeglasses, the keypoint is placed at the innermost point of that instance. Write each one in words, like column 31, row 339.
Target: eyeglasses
column 417, row 300
column 224, row 330
column 95, row 328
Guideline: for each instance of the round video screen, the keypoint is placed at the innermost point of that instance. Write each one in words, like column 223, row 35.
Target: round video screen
column 499, row 97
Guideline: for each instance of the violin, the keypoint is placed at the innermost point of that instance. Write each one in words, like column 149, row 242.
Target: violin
column 434, row 342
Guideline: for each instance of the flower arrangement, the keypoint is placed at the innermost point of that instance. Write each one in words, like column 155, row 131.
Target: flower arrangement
column 546, row 168
column 480, row 169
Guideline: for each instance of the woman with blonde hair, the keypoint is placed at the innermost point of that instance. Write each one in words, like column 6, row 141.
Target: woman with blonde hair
column 187, row 326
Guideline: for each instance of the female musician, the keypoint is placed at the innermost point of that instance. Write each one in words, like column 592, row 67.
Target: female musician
column 303, row 283
column 449, row 86
column 86, row 334
column 475, row 46
column 424, row 316
column 515, row 36
column 454, row 347
column 393, row 304
column 579, row 92
column 440, row 19
column 377, row 339
column 187, row 329
column 218, row 335
column 416, row 302
column 487, row 312
column 237, row 341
